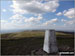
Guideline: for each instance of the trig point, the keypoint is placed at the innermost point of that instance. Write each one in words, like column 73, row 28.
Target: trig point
column 50, row 45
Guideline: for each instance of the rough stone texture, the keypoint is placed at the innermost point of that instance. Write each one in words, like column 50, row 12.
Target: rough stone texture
column 41, row 52
column 50, row 45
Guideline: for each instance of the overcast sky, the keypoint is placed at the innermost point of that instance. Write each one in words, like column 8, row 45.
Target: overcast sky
column 29, row 14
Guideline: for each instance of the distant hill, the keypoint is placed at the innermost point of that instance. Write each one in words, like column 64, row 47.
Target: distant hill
column 66, row 32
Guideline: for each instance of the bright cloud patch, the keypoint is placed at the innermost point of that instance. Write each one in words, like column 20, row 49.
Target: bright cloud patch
column 51, row 21
column 20, row 19
column 59, row 14
column 70, row 13
column 34, row 6
column 17, row 18
column 33, row 19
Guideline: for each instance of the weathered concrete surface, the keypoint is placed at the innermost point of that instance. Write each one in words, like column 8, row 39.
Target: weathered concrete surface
column 50, row 45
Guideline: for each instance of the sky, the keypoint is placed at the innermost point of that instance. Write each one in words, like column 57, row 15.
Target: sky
column 37, row 14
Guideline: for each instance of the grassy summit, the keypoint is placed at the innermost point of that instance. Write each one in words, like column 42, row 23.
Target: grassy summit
column 21, row 43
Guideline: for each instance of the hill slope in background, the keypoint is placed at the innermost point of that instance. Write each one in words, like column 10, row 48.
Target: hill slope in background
column 35, row 34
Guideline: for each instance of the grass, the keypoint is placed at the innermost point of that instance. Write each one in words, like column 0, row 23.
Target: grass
column 21, row 46
column 22, row 35
column 23, row 43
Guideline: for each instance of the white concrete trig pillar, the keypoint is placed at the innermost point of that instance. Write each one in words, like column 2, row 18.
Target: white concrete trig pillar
column 50, row 45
